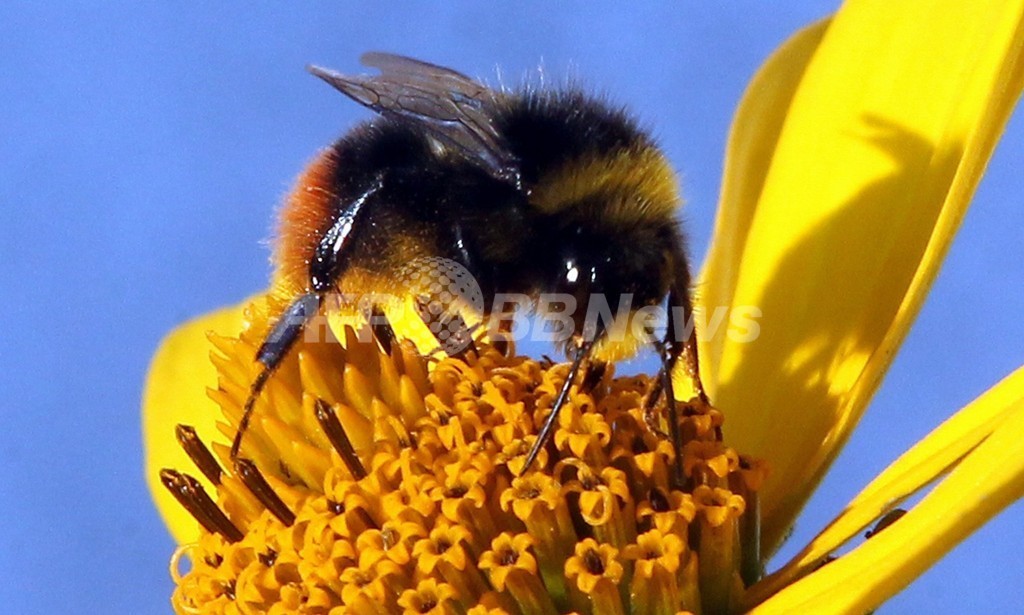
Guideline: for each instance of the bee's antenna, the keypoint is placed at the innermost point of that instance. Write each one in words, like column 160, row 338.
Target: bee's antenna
column 546, row 431
column 275, row 347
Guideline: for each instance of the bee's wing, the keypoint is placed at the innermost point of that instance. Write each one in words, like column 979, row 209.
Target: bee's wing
column 450, row 106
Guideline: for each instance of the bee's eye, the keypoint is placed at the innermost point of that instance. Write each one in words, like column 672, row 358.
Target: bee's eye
column 572, row 271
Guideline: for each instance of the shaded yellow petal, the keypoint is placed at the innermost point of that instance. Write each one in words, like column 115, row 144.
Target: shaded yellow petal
column 884, row 142
column 175, row 393
column 935, row 454
column 752, row 142
column 989, row 479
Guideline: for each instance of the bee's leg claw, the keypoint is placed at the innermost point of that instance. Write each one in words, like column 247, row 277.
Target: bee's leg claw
column 652, row 418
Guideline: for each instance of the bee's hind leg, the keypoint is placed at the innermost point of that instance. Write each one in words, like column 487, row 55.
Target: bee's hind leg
column 276, row 345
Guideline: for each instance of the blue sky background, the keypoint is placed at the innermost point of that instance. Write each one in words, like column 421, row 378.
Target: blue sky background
column 144, row 149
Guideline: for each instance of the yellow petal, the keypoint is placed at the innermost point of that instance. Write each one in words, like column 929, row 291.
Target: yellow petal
column 176, row 394
column 940, row 450
column 989, row 479
column 882, row 146
column 752, row 142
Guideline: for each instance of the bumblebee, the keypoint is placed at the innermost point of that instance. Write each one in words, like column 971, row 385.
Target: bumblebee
column 531, row 191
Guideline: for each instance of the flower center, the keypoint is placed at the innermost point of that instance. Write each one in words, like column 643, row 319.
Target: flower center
column 380, row 482
column 592, row 560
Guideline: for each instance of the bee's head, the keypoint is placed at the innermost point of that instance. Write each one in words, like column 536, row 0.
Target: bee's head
column 605, row 197
column 606, row 273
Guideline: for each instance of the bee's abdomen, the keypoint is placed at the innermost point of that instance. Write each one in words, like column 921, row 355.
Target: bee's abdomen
column 310, row 203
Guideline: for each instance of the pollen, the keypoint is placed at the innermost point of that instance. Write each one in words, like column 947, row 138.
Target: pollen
column 389, row 482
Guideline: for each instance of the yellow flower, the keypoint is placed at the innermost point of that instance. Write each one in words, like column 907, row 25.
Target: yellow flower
column 417, row 507
column 852, row 159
